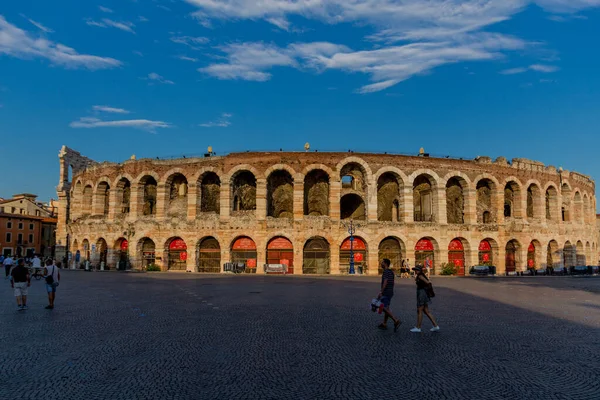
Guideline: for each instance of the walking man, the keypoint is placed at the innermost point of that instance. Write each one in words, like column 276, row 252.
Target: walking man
column 8, row 264
column 386, row 294
column 52, row 275
column 20, row 282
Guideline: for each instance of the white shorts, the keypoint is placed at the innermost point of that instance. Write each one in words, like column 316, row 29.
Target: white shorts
column 20, row 289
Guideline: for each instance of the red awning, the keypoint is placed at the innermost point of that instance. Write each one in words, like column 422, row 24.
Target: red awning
column 456, row 245
column 177, row 244
column 358, row 244
column 280, row 243
column 484, row 245
column 244, row 243
column 424, row 245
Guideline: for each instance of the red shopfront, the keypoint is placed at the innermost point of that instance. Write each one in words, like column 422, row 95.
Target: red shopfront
column 177, row 255
column 485, row 253
column 359, row 248
column 456, row 256
column 281, row 251
column 243, row 250
column 425, row 254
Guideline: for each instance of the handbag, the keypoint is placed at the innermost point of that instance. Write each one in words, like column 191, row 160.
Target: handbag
column 50, row 278
column 429, row 290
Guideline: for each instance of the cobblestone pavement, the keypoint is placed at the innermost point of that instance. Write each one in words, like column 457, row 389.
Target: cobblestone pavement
column 182, row 336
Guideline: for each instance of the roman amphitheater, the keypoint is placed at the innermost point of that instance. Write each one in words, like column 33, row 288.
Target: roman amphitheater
column 293, row 208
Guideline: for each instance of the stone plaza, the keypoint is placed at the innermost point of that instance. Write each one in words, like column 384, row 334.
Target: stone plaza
column 190, row 336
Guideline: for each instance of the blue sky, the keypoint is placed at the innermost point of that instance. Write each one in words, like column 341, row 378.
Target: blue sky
column 113, row 78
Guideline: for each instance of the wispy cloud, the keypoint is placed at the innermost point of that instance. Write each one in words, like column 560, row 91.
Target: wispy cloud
column 186, row 58
column 141, row 18
column 534, row 67
column 18, row 43
column 105, row 9
column 190, row 41
column 138, row 53
column 154, row 77
column 108, row 109
column 143, row 124
column 223, row 122
column 106, row 23
column 37, row 24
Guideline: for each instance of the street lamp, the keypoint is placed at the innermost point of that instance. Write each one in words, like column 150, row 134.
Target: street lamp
column 128, row 233
column 352, row 227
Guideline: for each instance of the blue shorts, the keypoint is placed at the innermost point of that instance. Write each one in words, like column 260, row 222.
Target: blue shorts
column 50, row 288
column 386, row 300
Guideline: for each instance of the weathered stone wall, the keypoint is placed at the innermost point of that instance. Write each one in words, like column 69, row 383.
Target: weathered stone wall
column 311, row 197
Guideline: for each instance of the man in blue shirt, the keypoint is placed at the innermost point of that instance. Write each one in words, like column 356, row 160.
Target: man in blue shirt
column 386, row 294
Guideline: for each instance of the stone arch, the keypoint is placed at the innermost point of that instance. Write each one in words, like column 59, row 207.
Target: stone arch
column 394, row 249
column 390, row 197
column 280, row 193
column 209, row 193
column 577, row 206
column 512, row 198
column 102, row 252
column 280, row 250
column 176, row 250
column 355, row 180
column 457, row 184
column 580, row 253
column 486, row 200
column 534, row 255
column 148, row 194
column 355, row 160
column 352, row 206
column 103, row 196
column 243, row 251
column 360, row 251
column 551, row 203
column 588, row 253
column 553, row 257
column 425, row 196
column 243, row 191
column 586, row 208
column 229, row 175
column 316, row 192
column 122, row 185
column 488, row 252
column 566, row 209
column 85, row 246
column 146, row 252
column 427, row 253
column 459, row 254
column 534, row 208
column 87, row 200
column 512, row 256
column 176, row 193
column 208, row 255
column 569, row 255
column 280, row 167
column 316, row 256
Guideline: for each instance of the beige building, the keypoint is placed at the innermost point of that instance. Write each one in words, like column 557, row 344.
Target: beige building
column 292, row 208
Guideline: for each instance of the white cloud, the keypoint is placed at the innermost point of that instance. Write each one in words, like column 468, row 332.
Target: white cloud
column 386, row 66
column 108, row 109
column 18, row 43
column 105, row 9
column 37, row 24
column 186, row 58
column 222, row 122
column 124, row 26
column 534, row 67
column 141, row 18
column 154, row 77
column 143, row 124
column 138, row 53
column 192, row 42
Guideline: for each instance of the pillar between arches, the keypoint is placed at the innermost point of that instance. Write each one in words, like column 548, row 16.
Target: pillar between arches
column 407, row 207
column 113, row 204
column 335, row 190
column 298, row 201
column 191, row 264
column 261, row 199
column 298, row 257
column 225, row 204
column 192, row 197
column 442, row 215
column 372, row 262
column 371, row 202
column 135, row 202
column 334, row 262
column 470, row 206
column 161, row 201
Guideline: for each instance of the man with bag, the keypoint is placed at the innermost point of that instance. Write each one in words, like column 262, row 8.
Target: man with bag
column 52, row 275
column 20, row 282
column 386, row 294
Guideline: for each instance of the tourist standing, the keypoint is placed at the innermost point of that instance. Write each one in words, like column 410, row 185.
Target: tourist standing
column 52, row 275
column 386, row 294
column 20, row 282
column 423, row 301
column 8, row 264
column 36, row 262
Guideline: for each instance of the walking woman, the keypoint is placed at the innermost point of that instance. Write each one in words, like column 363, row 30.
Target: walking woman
column 423, row 301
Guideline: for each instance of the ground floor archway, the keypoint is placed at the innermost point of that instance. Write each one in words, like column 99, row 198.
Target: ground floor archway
column 512, row 256
column 316, row 256
column 353, row 246
column 147, row 252
column 121, row 253
column 280, row 250
column 209, row 255
column 486, row 255
column 390, row 248
column 425, row 254
column 177, row 255
column 243, row 251
column 102, row 251
column 456, row 256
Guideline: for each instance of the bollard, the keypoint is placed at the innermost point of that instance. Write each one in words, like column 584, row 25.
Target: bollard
column 102, row 266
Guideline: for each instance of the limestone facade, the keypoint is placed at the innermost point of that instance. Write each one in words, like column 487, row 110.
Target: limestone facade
column 190, row 214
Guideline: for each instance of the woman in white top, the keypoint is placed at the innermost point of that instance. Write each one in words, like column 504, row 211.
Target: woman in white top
column 52, row 275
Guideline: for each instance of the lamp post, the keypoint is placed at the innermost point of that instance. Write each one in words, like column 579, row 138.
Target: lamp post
column 128, row 233
column 352, row 227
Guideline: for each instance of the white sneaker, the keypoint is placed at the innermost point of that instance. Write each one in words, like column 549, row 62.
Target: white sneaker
column 415, row 330
column 435, row 329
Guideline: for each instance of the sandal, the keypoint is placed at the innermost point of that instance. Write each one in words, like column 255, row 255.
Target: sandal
column 382, row 327
column 397, row 325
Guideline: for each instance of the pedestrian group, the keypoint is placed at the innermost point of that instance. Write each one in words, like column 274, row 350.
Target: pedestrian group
column 20, row 278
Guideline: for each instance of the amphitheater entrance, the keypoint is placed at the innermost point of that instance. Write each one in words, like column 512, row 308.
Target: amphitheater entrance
column 553, row 256
column 86, row 249
column 177, row 255
column 209, row 255
column 148, row 252
column 281, row 251
column 456, row 256
column 569, row 255
column 102, row 250
column 531, row 264
column 243, row 250
column 121, row 247
column 425, row 254
column 486, row 256
column 316, row 257
column 390, row 248
column 511, row 262
column 359, row 252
